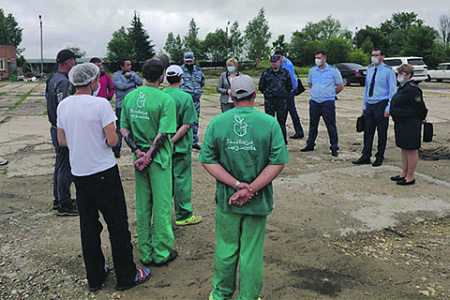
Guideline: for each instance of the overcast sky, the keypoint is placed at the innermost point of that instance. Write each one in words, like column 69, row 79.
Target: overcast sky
column 89, row 24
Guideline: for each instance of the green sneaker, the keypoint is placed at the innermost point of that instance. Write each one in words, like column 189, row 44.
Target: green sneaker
column 190, row 221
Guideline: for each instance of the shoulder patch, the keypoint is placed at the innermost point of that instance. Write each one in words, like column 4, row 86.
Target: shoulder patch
column 418, row 98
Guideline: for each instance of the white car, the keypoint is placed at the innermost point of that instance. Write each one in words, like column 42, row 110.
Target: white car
column 442, row 72
column 420, row 68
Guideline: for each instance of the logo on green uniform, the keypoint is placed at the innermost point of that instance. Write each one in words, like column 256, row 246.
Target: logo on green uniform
column 141, row 100
column 240, row 129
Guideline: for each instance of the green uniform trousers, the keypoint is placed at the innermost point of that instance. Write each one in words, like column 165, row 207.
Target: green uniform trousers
column 182, row 185
column 238, row 237
column 153, row 187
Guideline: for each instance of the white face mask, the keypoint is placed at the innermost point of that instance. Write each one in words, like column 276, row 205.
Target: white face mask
column 400, row 79
column 375, row 60
column 231, row 69
column 318, row 62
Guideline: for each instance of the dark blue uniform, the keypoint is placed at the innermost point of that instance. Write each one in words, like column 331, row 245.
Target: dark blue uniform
column 408, row 111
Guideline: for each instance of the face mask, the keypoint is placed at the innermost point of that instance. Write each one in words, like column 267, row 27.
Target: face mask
column 318, row 62
column 231, row 69
column 375, row 60
column 400, row 79
column 190, row 67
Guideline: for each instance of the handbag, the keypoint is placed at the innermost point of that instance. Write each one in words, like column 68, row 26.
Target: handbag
column 427, row 132
column 360, row 123
column 300, row 88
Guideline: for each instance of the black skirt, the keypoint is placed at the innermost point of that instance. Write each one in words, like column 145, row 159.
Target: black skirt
column 408, row 133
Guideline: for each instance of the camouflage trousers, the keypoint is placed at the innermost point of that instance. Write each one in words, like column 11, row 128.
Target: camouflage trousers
column 277, row 108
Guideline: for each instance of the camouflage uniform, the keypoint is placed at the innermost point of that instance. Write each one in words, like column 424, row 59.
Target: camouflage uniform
column 276, row 86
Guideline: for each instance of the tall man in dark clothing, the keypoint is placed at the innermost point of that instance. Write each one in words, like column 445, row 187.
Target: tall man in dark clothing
column 287, row 64
column 58, row 87
column 276, row 84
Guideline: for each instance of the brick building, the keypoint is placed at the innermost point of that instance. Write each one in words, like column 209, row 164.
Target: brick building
column 8, row 62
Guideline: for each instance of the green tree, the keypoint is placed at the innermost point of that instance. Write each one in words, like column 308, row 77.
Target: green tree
column 371, row 37
column 420, row 41
column 301, row 49
column 257, row 36
column 337, row 49
column 76, row 50
column 325, row 29
column 119, row 47
column 236, row 41
column 142, row 47
column 174, row 47
column 10, row 32
column 280, row 44
column 215, row 46
column 192, row 42
column 358, row 56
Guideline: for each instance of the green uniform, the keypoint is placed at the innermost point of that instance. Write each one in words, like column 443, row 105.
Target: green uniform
column 243, row 141
column 182, row 154
column 146, row 112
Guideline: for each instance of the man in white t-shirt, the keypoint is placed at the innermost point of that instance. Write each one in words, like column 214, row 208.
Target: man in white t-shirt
column 86, row 126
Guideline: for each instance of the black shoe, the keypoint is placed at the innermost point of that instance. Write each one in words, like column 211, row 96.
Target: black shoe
column 117, row 154
column 334, row 153
column 173, row 255
column 67, row 210
column 55, row 205
column 397, row 178
column 404, row 182
column 297, row 136
column 105, row 276
column 377, row 162
column 362, row 161
column 197, row 147
column 308, row 148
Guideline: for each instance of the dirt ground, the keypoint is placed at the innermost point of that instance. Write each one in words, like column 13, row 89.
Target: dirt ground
column 338, row 230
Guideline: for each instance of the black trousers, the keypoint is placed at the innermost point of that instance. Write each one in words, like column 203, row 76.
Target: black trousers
column 104, row 192
column 278, row 107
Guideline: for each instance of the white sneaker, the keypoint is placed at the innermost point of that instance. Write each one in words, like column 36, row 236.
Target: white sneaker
column 3, row 161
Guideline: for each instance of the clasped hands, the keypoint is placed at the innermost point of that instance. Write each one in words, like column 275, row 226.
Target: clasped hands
column 243, row 195
column 143, row 159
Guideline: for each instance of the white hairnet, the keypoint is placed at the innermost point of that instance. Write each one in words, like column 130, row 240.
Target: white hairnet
column 83, row 74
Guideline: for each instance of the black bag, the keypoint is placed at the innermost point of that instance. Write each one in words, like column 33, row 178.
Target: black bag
column 300, row 88
column 360, row 123
column 427, row 132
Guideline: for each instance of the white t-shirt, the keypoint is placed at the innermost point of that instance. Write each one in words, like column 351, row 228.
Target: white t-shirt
column 230, row 100
column 83, row 118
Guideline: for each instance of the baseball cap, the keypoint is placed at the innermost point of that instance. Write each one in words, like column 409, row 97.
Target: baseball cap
column 174, row 70
column 64, row 55
column 188, row 56
column 83, row 74
column 165, row 59
column 275, row 58
column 242, row 86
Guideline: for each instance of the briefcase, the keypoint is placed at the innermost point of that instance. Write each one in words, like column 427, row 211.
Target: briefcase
column 427, row 132
column 360, row 124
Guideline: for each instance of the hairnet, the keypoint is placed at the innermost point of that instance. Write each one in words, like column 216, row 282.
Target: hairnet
column 83, row 74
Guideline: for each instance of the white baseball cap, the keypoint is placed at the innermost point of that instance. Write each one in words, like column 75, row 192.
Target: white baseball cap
column 174, row 70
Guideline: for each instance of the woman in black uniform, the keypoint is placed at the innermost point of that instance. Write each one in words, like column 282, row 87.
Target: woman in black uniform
column 409, row 112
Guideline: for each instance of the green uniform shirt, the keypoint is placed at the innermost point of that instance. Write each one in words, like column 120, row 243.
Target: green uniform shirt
column 186, row 114
column 146, row 112
column 244, row 141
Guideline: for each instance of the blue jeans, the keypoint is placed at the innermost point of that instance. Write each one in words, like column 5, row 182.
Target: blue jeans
column 196, row 99
column 117, row 147
column 327, row 110
column 375, row 119
column 62, row 175
column 294, row 115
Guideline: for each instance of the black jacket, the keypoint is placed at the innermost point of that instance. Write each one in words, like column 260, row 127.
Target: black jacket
column 408, row 102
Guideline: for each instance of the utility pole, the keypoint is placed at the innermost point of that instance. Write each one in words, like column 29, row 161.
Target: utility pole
column 42, row 50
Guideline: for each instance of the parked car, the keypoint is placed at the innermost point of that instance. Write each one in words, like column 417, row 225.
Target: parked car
column 352, row 73
column 442, row 72
column 420, row 68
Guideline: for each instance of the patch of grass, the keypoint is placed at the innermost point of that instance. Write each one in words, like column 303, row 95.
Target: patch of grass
column 20, row 101
column 2, row 94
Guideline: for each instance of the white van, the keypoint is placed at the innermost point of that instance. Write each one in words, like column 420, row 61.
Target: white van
column 420, row 68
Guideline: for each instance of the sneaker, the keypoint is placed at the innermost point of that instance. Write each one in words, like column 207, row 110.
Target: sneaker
column 55, row 204
column 172, row 256
column 105, row 276
column 67, row 210
column 197, row 147
column 307, row 148
column 189, row 221
column 3, row 161
column 334, row 153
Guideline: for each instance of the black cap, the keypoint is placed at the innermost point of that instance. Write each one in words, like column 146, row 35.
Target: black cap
column 64, row 55
column 153, row 67
column 275, row 58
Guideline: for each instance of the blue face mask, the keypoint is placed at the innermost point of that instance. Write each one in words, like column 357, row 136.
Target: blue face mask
column 231, row 69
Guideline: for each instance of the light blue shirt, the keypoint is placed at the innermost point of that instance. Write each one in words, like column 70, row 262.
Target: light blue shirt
column 385, row 85
column 323, row 83
column 287, row 64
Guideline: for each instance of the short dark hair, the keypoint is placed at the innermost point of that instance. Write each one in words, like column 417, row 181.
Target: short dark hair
column 173, row 79
column 122, row 61
column 279, row 52
column 381, row 51
column 95, row 60
column 152, row 69
column 248, row 98
column 321, row 51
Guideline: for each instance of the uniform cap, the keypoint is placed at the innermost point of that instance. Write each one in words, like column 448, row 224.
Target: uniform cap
column 242, row 86
column 188, row 56
column 275, row 58
column 83, row 74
